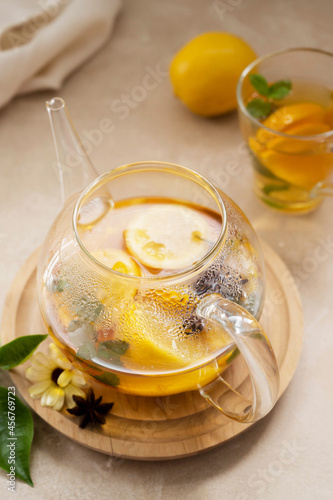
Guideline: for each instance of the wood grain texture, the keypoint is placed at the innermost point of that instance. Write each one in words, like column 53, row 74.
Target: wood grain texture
column 167, row 427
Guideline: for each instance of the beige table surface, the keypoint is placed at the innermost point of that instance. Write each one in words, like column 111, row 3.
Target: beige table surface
column 289, row 454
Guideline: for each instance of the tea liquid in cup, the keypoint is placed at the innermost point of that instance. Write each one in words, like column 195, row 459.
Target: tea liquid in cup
column 291, row 142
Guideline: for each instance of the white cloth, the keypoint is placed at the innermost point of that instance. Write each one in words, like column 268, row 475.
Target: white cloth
column 42, row 41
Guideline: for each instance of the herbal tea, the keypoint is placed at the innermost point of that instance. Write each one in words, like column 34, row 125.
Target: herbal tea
column 287, row 168
column 143, row 273
column 149, row 238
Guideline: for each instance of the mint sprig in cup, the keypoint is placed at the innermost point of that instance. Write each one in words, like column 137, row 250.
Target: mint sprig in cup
column 261, row 107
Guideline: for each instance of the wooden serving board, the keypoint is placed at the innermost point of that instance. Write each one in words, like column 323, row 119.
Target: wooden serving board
column 170, row 427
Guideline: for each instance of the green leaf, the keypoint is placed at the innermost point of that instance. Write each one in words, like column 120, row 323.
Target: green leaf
column 103, row 352
column 86, row 351
column 257, row 335
column 87, row 309
column 111, row 350
column 261, row 169
column 273, row 204
column 81, row 306
column 280, row 89
column 108, row 355
column 57, row 284
column 17, row 351
column 108, row 378
column 61, row 285
column 116, row 361
column 271, row 188
column 116, row 346
column 15, row 440
column 260, row 84
column 235, row 353
column 259, row 108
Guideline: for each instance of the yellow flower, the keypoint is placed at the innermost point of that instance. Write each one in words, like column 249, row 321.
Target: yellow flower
column 55, row 379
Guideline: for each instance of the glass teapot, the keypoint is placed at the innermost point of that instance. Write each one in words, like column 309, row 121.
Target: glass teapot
column 151, row 280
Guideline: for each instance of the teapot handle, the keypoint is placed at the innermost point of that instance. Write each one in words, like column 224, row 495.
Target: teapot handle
column 258, row 354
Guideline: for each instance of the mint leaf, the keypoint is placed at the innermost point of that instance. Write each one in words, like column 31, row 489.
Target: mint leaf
column 116, row 346
column 261, row 169
column 81, row 306
column 260, row 84
column 86, row 351
column 17, row 351
column 61, row 285
column 259, row 108
column 57, row 284
column 88, row 309
column 23, row 431
column 97, row 312
column 280, row 89
column 271, row 188
column 233, row 355
column 111, row 350
column 103, row 352
column 108, row 378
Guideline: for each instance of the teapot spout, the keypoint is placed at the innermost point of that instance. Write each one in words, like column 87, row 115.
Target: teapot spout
column 73, row 164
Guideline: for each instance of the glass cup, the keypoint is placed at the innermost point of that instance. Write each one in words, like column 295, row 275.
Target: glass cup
column 291, row 148
column 84, row 302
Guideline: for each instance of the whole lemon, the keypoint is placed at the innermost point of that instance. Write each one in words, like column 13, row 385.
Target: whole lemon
column 204, row 73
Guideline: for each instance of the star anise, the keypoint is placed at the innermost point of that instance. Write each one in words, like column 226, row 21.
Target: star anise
column 92, row 410
column 193, row 324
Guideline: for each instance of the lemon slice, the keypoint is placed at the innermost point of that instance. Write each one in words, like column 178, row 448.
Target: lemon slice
column 168, row 237
column 146, row 352
column 118, row 260
column 153, row 345
column 149, row 345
